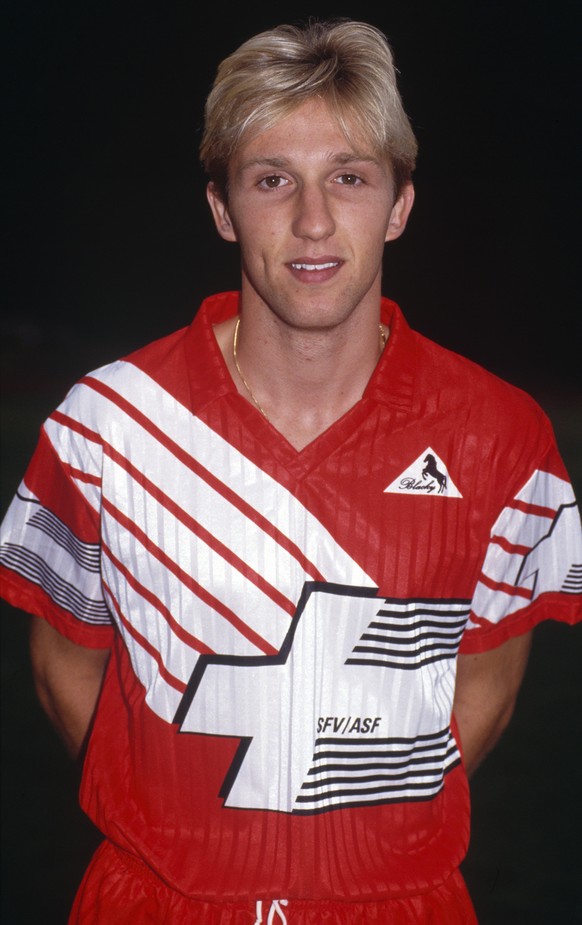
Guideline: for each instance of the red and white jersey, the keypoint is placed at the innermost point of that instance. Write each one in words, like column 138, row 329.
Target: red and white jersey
column 276, row 715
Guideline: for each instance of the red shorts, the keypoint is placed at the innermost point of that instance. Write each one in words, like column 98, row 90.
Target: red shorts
column 118, row 889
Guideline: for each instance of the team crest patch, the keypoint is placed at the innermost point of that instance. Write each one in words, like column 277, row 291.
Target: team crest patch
column 427, row 475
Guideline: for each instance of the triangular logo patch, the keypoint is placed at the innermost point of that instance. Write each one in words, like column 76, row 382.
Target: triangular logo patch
column 427, row 475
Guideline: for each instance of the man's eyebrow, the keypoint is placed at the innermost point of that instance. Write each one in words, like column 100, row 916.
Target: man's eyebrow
column 279, row 162
column 282, row 163
column 357, row 157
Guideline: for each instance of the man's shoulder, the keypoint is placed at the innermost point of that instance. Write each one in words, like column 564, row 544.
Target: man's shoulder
column 170, row 368
column 148, row 359
column 178, row 347
column 160, row 351
column 463, row 394
column 460, row 374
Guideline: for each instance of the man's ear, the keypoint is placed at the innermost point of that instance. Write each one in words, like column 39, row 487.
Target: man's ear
column 400, row 212
column 220, row 213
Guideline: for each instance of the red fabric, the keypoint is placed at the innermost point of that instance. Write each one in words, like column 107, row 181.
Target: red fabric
column 172, row 517
column 119, row 890
column 157, row 794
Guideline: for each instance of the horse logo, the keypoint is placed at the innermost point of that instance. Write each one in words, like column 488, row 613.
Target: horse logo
column 427, row 475
column 431, row 470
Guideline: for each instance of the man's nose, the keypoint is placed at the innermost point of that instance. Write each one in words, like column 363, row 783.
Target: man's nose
column 313, row 216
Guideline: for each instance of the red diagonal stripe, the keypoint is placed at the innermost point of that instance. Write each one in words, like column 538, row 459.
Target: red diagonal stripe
column 143, row 421
column 535, row 509
column 198, row 530
column 188, row 581
column 79, row 476
column 168, row 678
column 76, row 427
column 513, row 590
column 152, row 599
column 510, row 547
column 279, row 599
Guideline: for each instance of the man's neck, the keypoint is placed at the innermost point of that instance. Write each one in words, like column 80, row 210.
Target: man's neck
column 301, row 381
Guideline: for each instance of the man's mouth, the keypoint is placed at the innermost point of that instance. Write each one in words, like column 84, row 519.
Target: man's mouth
column 315, row 266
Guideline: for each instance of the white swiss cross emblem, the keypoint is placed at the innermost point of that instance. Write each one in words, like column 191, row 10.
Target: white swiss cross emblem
column 273, row 703
column 427, row 475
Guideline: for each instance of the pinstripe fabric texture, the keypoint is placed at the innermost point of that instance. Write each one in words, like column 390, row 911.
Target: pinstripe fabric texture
column 276, row 718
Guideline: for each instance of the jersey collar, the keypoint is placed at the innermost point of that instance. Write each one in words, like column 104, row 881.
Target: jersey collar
column 392, row 382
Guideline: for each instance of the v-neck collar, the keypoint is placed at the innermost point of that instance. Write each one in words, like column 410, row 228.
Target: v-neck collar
column 391, row 383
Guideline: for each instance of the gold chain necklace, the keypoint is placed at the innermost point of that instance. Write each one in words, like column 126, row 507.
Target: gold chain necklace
column 244, row 381
column 239, row 371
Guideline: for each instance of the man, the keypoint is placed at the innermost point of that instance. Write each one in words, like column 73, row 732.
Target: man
column 285, row 563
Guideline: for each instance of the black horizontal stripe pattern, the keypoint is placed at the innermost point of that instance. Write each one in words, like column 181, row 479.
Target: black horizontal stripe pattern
column 87, row 555
column 32, row 567
column 573, row 581
column 409, row 634
column 367, row 771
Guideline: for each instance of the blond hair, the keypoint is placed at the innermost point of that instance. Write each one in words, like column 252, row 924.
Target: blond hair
column 348, row 64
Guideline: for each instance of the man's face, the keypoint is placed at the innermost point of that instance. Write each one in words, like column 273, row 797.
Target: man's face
column 311, row 213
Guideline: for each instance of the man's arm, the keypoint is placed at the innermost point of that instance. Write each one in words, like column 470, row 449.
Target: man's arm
column 68, row 680
column 485, row 694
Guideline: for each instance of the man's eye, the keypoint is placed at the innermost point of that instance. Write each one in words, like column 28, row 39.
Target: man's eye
column 272, row 182
column 349, row 179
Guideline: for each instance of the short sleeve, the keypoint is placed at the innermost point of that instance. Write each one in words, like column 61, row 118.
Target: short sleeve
column 532, row 570
column 50, row 562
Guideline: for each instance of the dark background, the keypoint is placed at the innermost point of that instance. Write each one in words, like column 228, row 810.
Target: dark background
column 109, row 244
